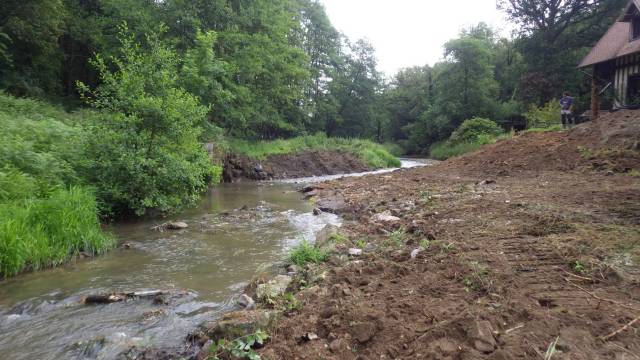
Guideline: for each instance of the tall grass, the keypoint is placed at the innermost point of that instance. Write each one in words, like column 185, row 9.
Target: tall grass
column 373, row 154
column 46, row 214
column 36, row 233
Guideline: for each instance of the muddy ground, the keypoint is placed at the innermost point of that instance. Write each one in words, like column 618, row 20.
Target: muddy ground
column 529, row 242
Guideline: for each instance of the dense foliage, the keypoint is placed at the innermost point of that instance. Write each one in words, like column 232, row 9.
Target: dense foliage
column 48, row 214
column 145, row 149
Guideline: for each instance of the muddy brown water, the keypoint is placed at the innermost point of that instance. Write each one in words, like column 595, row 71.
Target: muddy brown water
column 237, row 231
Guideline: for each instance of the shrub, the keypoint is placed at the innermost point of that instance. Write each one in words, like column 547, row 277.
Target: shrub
column 146, row 152
column 543, row 117
column 306, row 253
column 471, row 130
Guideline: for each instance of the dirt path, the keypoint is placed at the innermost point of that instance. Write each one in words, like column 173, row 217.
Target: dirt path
column 509, row 265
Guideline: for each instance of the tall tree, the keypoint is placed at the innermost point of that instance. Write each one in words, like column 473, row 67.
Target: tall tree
column 31, row 31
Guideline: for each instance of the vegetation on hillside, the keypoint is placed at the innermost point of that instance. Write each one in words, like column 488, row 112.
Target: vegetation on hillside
column 373, row 154
column 48, row 214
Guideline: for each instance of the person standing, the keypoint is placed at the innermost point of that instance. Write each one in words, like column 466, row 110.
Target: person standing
column 566, row 106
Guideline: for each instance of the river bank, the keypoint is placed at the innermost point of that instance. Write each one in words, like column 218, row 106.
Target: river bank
column 484, row 256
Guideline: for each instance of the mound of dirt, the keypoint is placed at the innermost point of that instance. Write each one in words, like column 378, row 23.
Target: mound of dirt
column 291, row 166
column 609, row 144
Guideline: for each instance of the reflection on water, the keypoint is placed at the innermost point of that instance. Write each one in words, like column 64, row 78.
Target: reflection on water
column 237, row 230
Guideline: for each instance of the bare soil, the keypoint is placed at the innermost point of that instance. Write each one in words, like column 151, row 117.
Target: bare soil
column 290, row 166
column 526, row 243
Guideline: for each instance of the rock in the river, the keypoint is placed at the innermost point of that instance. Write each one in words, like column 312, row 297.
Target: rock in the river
column 240, row 323
column 292, row 269
column 385, row 217
column 323, row 237
column 176, row 225
column 317, row 211
column 246, row 302
column 274, row 288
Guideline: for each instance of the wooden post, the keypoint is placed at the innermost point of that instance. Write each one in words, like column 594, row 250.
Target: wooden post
column 595, row 96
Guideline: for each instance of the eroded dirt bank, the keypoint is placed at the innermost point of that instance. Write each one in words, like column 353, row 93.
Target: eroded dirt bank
column 495, row 255
column 306, row 164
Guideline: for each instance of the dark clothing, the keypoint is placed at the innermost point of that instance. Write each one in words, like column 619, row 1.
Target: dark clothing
column 567, row 120
column 565, row 110
column 566, row 102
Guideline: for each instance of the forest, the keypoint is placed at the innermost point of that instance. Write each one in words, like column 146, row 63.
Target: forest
column 105, row 104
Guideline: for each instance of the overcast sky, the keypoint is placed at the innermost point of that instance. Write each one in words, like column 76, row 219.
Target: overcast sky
column 410, row 32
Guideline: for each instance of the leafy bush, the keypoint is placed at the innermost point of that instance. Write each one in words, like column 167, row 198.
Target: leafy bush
column 543, row 117
column 145, row 152
column 46, row 215
column 373, row 154
column 471, row 130
column 306, row 253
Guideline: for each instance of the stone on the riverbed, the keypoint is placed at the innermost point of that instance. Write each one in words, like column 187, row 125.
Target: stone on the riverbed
column 176, row 225
column 292, row 269
column 274, row 288
column 317, row 212
column 246, row 302
column 240, row 323
column 323, row 237
column 385, row 217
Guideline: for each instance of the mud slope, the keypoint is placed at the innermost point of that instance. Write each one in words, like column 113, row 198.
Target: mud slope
column 289, row 166
column 505, row 265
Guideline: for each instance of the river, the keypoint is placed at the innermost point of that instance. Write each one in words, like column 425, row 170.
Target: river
column 237, row 231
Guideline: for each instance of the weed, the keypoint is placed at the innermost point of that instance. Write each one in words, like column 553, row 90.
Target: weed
column 425, row 243
column 361, row 244
column 397, row 237
column 634, row 173
column 446, row 248
column 476, row 280
column 578, row 267
column 585, row 152
column 286, row 302
column 339, row 239
column 241, row 347
column 306, row 253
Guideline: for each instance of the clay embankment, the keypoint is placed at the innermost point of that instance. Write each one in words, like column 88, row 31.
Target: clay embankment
column 289, row 166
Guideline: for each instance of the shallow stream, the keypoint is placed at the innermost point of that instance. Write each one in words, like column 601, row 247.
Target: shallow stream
column 237, row 231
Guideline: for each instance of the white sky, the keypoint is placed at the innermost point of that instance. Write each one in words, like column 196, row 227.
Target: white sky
column 410, row 32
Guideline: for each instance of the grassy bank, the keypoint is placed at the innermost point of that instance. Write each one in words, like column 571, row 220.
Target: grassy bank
column 47, row 214
column 373, row 154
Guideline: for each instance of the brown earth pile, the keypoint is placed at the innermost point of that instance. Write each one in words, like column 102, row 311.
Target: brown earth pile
column 291, row 166
column 609, row 144
column 519, row 246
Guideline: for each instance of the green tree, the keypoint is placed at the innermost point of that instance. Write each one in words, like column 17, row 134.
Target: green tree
column 464, row 85
column 146, row 153
column 32, row 29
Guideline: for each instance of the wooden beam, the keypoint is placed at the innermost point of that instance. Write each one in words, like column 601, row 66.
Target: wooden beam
column 595, row 96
